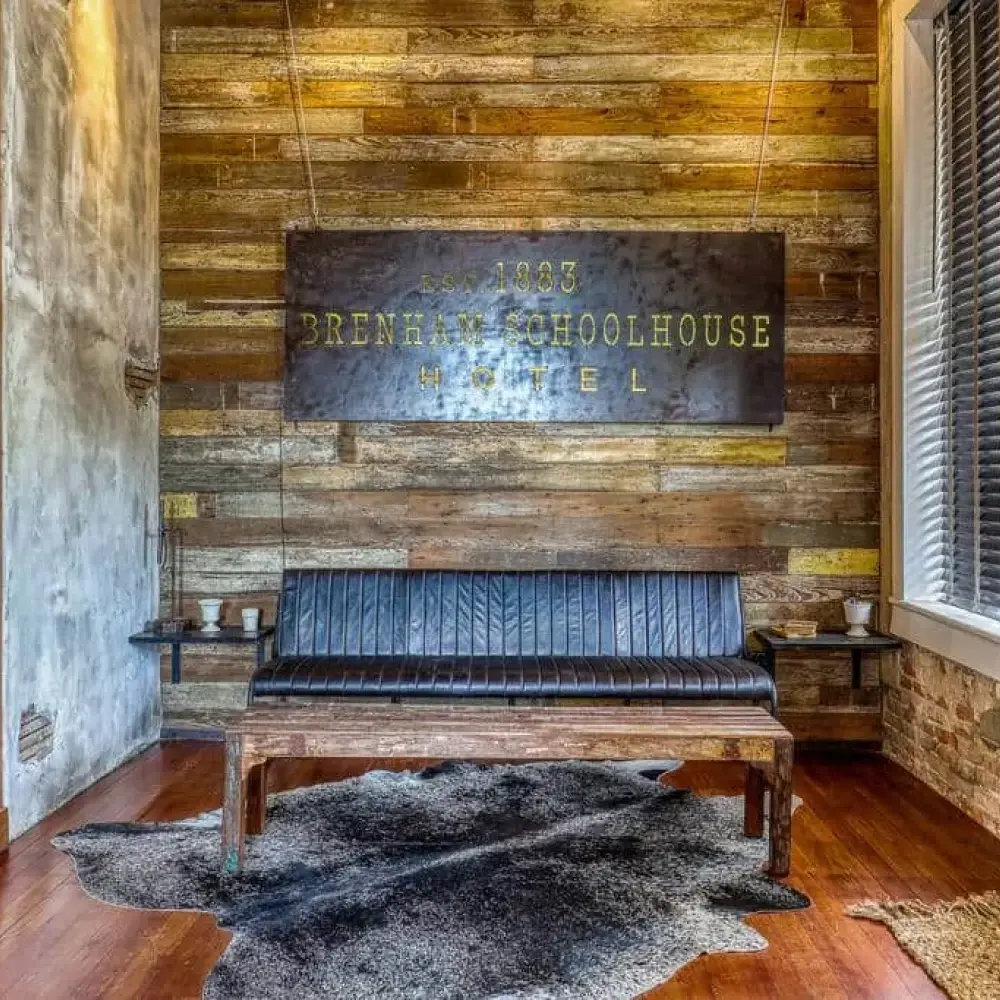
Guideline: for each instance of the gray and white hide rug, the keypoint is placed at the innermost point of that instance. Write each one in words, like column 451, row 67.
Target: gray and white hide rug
column 569, row 881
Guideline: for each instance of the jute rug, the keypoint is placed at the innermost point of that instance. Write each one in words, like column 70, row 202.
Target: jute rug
column 957, row 943
column 564, row 881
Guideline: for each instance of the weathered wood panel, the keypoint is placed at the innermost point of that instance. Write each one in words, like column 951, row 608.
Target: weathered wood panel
column 522, row 115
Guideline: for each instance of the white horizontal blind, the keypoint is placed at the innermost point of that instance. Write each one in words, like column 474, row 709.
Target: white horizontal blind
column 961, row 379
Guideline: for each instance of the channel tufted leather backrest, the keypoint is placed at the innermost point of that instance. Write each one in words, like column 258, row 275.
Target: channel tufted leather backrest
column 526, row 613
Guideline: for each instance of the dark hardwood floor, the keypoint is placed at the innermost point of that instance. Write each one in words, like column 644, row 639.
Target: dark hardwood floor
column 866, row 828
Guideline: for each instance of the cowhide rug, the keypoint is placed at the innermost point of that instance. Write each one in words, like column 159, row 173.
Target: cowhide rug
column 565, row 881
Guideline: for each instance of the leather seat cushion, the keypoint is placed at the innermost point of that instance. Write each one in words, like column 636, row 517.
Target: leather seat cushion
column 527, row 676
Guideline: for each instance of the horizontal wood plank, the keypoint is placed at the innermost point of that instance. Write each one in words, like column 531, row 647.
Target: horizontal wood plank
column 499, row 41
column 467, row 732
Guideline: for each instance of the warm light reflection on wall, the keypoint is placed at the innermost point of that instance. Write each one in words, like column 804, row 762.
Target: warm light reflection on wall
column 93, row 51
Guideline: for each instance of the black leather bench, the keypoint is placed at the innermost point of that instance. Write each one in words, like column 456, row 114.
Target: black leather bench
column 526, row 634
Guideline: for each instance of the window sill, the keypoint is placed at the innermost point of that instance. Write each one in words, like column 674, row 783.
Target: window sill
column 962, row 636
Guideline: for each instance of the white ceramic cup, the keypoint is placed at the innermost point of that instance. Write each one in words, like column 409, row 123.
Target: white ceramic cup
column 858, row 614
column 251, row 619
column 211, row 610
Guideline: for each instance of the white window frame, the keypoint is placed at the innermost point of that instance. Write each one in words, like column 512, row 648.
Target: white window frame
column 907, row 152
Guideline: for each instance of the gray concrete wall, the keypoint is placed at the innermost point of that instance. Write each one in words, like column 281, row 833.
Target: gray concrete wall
column 80, row 268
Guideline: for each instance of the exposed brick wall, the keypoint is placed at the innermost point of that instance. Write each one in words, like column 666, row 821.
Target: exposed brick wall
column 932, row 708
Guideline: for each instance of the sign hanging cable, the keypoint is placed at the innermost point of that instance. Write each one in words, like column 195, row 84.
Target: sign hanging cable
column 305, row 150
column 767, row 113
column 300, row 115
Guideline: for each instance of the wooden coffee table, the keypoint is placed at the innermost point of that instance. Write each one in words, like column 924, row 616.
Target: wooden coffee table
column 352, row 730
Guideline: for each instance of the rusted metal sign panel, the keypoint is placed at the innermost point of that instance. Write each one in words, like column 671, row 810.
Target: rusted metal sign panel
column 573, row 326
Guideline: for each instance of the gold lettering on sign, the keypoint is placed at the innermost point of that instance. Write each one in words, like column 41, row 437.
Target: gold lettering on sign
column 536, row 321
column 718, row 330
column 617, row 331
column 450, row 281
column 440, row 335
column 334, row 323
column 360, row 321
column 737, row 330
column 310, row 322
column 386, row 330
column 413, row 329
column 661, row 329
column 560, row 329
column 588, row 380
column 545, row 284
column 430, row 376
column 538, row 377
column 537, row 329
column 692, row 329
column 512, row 324
column 760, row 334
column 472, row 329
column 483, row 378
column 634, row 339
column 635, row 381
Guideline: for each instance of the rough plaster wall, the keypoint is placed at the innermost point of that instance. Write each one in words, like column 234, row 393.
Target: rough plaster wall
column 81, row 85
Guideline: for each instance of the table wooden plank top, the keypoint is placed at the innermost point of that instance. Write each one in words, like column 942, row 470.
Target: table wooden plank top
column 483, row 733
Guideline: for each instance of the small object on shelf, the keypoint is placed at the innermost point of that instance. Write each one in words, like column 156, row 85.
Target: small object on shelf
column 171, row 626
column 797, row 630
column 858, row 614
column 251, row 620
column 166, row 626
column 211, row 611
column 170, row 543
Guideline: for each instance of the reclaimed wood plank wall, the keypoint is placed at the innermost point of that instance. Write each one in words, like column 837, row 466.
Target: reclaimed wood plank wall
column 522, row 114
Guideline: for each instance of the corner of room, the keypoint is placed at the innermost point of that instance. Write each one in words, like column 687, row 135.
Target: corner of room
column 499, row 499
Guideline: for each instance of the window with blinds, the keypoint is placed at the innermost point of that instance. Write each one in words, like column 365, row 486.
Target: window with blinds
column 959, row 377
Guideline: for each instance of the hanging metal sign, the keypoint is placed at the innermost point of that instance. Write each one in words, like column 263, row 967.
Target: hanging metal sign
column 574, row 326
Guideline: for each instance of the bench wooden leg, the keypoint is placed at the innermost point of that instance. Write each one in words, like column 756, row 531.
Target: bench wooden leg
column 781, row 809
column 257, row 799
column 234, row 803
column 753, row 803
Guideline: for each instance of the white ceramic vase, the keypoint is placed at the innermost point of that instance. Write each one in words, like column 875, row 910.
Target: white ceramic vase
column 857, row 614
column 211, row 611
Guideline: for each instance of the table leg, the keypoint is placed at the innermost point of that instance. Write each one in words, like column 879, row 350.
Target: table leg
column 753, row 803
column 781, row 809
column 257, row 799
column 175, row 663
column 234, row 804
column 769, row 659
column 856, row 657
